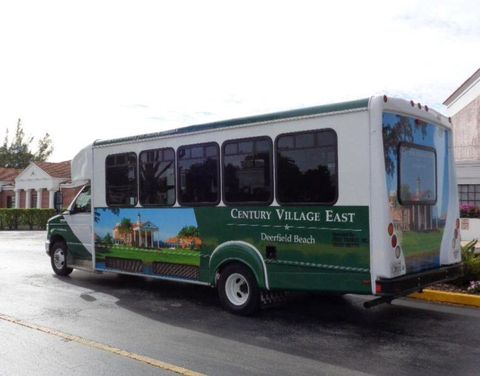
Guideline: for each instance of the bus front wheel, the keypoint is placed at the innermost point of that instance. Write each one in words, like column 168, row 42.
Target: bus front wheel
column 58, row 256
column 238, row 290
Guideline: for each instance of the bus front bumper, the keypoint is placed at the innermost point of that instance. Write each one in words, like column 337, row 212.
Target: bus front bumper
column 410, row 283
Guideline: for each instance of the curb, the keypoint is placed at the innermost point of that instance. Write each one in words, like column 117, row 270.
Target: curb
column 447, row 297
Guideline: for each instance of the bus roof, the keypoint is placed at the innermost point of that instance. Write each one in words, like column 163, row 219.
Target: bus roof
column 307, row 111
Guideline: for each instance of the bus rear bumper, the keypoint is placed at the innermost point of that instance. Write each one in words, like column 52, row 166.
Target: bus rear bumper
column 417, row 281
column 387, row 290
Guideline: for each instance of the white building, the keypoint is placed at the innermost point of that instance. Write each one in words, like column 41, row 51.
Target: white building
column 464, row 108
column 35, row 186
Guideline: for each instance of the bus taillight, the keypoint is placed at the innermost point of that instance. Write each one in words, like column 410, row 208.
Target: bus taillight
column 394, row 241
column 390, row 229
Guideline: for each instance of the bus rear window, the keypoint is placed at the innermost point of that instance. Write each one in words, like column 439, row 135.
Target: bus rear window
column 417, row 175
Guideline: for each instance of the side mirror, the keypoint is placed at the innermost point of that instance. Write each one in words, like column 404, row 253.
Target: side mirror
column 58, row 201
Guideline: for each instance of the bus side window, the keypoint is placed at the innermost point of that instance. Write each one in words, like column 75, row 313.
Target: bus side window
column 82, row 203
column 247, row 171
column 157, row 177
column 306, row 167
column 198, row 174
column 121, row 179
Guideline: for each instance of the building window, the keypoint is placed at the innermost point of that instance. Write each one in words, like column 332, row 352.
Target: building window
column 10, row 202
column 121, row 179
column 34, row 198
column 247, row 171
column 306, row 167
column 469, row 194
column 157, row 177
column 198, row 174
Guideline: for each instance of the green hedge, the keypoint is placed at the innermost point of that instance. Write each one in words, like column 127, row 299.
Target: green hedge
column 31, row 219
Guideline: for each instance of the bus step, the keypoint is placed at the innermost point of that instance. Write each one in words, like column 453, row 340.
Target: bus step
column 176, row 270
column 270, row 298
column 125, row 265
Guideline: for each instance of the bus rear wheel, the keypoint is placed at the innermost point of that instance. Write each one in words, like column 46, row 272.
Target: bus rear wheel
column 58, row 257
column 238, row 290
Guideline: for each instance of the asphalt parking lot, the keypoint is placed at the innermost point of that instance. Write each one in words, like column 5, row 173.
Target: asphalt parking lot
column 119, row 325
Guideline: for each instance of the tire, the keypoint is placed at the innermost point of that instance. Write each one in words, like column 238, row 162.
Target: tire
column 238, row 290
column 58, row 258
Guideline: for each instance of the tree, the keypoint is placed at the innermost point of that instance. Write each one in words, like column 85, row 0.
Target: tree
column 402, row 130
column 17, row 153
column 107, row 239
column 188, row 231
column 125, row 226
column 44, row 149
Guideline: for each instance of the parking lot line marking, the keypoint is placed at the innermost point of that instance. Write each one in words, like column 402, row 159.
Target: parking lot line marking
column 104, row 347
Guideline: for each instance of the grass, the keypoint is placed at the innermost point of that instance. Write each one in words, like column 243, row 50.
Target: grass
column 416, row 242
column 171, row 256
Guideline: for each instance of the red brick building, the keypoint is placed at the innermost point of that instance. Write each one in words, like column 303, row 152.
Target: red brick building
column 35, row 186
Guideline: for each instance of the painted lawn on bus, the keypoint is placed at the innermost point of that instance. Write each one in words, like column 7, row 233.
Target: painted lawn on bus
column 416, row 242
column 167, row 255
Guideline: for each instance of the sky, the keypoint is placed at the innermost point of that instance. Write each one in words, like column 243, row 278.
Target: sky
column 88, row 70
column 168, row 221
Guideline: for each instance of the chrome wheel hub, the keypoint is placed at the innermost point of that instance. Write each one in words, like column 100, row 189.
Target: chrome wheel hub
column 237, row 289
column 59, row 258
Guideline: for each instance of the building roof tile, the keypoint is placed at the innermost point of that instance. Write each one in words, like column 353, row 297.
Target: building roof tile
column 56, row 170
column 8, row 174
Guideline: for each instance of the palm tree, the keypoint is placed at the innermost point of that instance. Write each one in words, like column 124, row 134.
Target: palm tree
column 124, row 229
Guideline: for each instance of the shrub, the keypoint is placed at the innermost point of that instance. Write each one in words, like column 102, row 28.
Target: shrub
column 10, row 218
column 474, row 287
column 471, row 265
column 13, row 219
column 27, row 217
column 469, row 211
column 42, row 216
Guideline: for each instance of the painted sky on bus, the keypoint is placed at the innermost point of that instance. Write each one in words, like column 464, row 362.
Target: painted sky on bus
column 168, row 221
column 102, row 69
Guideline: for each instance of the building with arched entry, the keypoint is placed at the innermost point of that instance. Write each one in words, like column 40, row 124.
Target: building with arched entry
column 138, row 234
column 35, row 186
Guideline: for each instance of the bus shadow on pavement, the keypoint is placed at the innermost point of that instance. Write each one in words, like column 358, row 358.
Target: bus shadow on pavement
column 309, row 321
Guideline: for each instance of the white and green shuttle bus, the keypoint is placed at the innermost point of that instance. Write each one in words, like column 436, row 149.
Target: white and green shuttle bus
column 357, row 197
